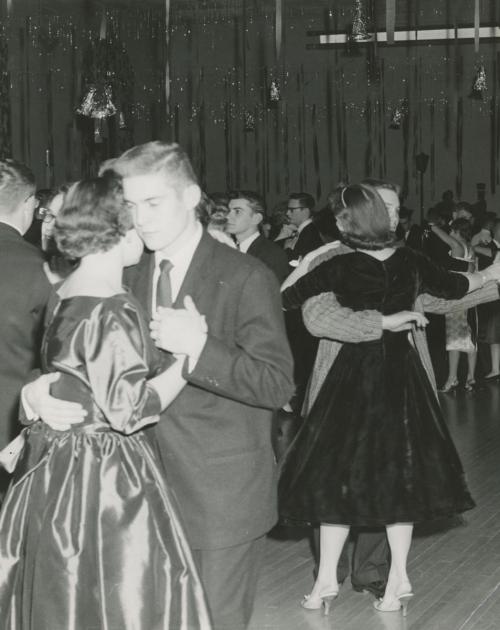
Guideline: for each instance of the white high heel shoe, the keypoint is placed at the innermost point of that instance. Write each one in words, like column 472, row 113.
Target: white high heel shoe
column 324, row 600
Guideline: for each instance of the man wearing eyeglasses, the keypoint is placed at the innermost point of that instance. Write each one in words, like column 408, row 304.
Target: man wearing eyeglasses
column 25, row 292
column 299, row 213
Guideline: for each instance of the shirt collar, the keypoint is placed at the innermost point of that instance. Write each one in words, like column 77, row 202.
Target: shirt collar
column 245, row 244
column 183, row 256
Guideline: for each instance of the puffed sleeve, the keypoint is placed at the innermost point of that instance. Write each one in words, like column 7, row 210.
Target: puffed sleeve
column 321, row 279
column 437, row 281
column 117, row 367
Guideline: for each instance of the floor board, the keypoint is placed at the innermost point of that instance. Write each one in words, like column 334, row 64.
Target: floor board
column 455, row 573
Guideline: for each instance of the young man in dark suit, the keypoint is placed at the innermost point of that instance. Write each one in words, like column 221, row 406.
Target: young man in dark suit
column 299, row 213
column 246, row 213
column 25, row 292
column 215, row 437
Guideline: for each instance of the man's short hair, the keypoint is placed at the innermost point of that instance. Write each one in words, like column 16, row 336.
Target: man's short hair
column 255, row 201
column 16, row 183
column 305, row 199
column 153, row 158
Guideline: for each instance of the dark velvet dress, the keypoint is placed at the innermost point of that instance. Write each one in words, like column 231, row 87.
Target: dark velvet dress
column 375, row 448
column 89, row 533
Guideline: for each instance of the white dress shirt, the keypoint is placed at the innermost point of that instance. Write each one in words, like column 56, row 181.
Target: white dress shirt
column 180, row 263
column 245, row 244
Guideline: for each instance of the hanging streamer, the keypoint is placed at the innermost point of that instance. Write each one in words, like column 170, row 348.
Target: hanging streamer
column 433, row 147
column 369, row 135
column 103, row 26
column 460, row 136
column 167, row 53
column 278, row 28
column 476, row 26
column 390, row 19
column 9, row 7
column 316, row 153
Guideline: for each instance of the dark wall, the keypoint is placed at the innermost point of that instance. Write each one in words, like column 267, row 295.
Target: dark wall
column 331, row 123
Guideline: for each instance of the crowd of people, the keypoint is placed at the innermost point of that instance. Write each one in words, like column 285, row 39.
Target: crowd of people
column 156, row 343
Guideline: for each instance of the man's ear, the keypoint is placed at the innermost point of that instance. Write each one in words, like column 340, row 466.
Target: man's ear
column 191, row 195
column 258, row 217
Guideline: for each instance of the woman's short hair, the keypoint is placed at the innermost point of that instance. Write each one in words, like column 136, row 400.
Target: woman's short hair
column 93, row 217
column 363, row 218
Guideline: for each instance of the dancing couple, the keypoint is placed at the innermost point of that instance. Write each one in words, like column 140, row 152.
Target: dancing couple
column 374, row 450
column 145, row 481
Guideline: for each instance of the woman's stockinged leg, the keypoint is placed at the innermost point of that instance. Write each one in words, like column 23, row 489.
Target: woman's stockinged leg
column 332, row 540
column 399, row 536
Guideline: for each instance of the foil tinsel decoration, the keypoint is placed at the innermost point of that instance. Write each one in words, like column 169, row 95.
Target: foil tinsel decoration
column 359, row 32
column 274, row 91
column 122, row 124
column 398, row 115
column 97, row 103
column 249, row 121
column 479, row 85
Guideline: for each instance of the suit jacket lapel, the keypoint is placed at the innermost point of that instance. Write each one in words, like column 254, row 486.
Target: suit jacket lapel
column 200, row 265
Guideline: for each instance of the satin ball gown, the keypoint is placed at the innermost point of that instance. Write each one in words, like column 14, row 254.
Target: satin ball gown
column 90, row 536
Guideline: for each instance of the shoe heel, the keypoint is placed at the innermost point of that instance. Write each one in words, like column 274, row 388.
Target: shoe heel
column 405, row 600
column 327, row 604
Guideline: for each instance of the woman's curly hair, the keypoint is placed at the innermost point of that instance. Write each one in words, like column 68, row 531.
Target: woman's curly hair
column 93, row 217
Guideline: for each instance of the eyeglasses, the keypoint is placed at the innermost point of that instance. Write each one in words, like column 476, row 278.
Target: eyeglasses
column 45, row 215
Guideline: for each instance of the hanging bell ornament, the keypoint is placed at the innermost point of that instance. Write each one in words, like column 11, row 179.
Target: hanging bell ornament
column 249, row 121
column 359, row 32
column 398, row 115
column 479, row 85
column 274, row 91
column 97, row 102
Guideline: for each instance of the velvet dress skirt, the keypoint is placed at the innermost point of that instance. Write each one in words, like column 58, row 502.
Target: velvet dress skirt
column 375, row 448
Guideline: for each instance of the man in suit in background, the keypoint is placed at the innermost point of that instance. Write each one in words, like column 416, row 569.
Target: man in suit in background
column 24, row 291
column 215, row 438
column 246, row 213
column 307, row 238
column 299, row 213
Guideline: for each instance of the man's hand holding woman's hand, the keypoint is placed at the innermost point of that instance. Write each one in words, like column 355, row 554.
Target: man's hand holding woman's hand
column 180, row 330
column 404, row 320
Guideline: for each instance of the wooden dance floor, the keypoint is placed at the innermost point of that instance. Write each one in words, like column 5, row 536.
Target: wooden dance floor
column 455, row 573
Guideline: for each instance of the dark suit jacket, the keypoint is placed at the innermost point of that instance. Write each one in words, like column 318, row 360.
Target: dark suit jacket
column 215, row 437
column 309, row 240
column 25, row 292
column 271, row 255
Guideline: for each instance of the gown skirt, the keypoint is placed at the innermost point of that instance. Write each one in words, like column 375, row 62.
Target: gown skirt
column 90, row 537
column 375, row 448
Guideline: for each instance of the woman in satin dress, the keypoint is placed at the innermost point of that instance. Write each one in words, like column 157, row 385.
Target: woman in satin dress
column 90, row 536
column 374, row 450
